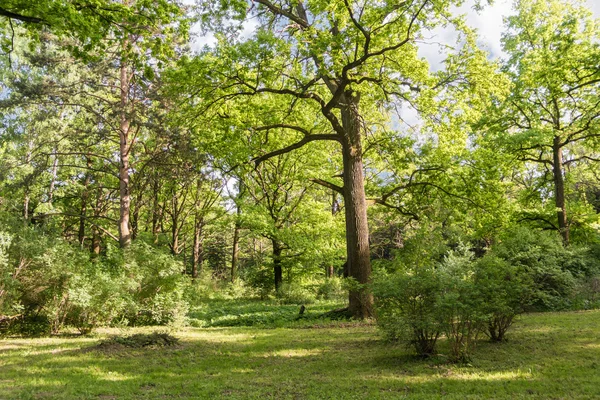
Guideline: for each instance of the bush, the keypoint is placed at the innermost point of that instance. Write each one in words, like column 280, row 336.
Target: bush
column 462, row 309
column 331, row 289
column 294, row 293
column 156, row 287
column 550, row 267
column 459, row 297
column 408, row 308
column 506, row 291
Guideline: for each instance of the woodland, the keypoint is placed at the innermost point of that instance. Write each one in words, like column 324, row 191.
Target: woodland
column 227, row 189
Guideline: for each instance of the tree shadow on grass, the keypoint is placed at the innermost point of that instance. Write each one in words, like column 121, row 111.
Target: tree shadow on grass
column 282, row 363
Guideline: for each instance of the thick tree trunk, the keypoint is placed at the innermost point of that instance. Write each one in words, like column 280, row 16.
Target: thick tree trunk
column 559, row 190
column 355, row 206
column 277, row 270
column 198, row 256
column 124, row 147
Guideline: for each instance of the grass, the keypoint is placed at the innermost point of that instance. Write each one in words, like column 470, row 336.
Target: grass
column 259, row 313
column 549, row 356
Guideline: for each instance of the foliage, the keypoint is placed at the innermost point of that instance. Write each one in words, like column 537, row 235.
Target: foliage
column 408, row 309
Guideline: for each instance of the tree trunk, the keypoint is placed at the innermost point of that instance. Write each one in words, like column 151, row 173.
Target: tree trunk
column 124, row 147
column 235, row 256
column 156, row 211
column 198, row 257
column 95, row 231
column 135, row 217
column 54, row 176
column 277, row 271
column 559, row 190
column 355, row 206
column 84, row 201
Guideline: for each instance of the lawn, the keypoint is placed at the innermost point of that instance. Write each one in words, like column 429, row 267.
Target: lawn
column 549, row 356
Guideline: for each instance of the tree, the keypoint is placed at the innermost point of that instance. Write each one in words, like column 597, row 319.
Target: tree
column 349, row 64
column 551, row 118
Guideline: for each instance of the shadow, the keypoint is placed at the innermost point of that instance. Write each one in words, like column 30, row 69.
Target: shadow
column 336, row 363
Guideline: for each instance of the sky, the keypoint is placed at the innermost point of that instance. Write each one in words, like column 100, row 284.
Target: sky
column 489, row 25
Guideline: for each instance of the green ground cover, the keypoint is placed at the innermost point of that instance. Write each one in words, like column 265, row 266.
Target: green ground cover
column 548, row 356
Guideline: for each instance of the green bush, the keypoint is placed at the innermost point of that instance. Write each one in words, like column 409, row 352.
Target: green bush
column 156, row 286
column 543, row 258
column 408, row 308
column 506, row 291
column 331, row 289
column 294, row 293
column 461, row 305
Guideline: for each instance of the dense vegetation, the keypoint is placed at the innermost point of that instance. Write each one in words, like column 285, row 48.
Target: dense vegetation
column 308, row 156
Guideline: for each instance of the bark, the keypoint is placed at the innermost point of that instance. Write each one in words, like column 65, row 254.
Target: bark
column 277, row 270
column 135, row 217
column 96, row 242
column 175, row 226
column 124, row 147
column 198, row 256
column 26, row 206
column 156, row 212
column 559, row 189
column 84, row 202
column 235, row 256
column 355, row 206
column 330, row 272
column 54, row 176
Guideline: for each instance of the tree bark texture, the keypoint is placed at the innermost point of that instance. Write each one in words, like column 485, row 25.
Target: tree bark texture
column 355, row 206
column 559, row 190
column 124, row 147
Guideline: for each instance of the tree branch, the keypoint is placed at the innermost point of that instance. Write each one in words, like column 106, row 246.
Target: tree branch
column 328, row 185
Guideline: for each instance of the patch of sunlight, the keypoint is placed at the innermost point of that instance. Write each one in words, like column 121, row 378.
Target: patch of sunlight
column 111, row 376
column 242, row 370
column 294, row 353
column 9, row 347
column 592, row 346
column 491, row 376
column 216, row 336
column 37, row 352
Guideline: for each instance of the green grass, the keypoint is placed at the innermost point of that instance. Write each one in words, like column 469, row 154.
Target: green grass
column 258, row 313
column 549, row 356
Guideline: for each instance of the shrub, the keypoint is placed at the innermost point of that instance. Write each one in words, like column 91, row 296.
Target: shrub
column 407, row 307
column 506, row 291
column 542, row 256
column 331, row 289
column 156, row 287
column 461, row 307
column 294, row 293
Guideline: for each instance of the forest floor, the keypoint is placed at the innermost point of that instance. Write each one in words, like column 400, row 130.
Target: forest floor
column 548, row 356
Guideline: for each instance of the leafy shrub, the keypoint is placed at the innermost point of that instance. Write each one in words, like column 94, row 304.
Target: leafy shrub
column 331, row 289
column 506, row 291
column 156, row 287
column 294, row 293
column 462, row 309
column 551, row 267
column 260, row 277
column 407, row 307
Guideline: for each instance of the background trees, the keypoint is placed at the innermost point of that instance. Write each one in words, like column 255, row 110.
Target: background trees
column 284, row 155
